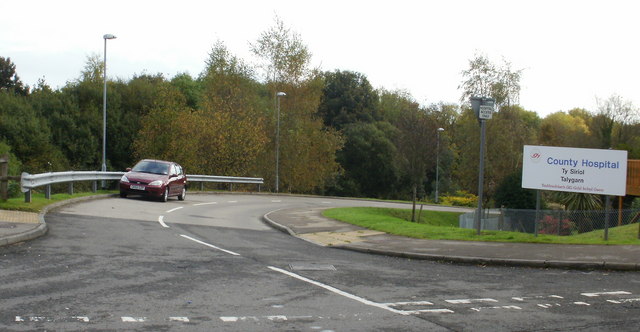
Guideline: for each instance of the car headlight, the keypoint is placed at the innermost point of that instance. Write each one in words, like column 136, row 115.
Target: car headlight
column 124, row 179
column 156, row 183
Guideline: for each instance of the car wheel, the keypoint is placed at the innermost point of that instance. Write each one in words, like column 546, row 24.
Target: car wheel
column 165, row 196
column 123, row 195
column 183, row 194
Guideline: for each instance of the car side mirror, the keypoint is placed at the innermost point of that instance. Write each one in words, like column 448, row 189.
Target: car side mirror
column 173, row 176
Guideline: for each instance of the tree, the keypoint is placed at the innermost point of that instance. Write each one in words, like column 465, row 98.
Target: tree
column 565, row 129
column 369, row 160
column 612, row 120
column 9, row 80
column 285, row 57
column 510, row 193
column 485, row 79
column 347, row 97
column 285, row 63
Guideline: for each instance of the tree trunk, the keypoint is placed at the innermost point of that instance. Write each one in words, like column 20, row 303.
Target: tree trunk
column 413, row 211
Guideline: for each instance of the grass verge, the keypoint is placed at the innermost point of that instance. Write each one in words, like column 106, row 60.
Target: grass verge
column 38, row 201
column 437, row 225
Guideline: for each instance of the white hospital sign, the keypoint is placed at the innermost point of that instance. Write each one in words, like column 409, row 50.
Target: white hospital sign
column 590, row 171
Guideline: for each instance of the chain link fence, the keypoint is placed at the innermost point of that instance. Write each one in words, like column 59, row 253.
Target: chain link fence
column 553, row 222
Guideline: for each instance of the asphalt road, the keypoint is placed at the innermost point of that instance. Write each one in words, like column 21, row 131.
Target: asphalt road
column 209, row 263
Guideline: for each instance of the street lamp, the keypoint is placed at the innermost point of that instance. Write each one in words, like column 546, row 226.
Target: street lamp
column 104, row 108
column 278, row 95
column 438, row 160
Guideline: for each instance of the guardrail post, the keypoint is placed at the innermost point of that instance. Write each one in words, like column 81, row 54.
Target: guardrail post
column 201, row 186
column 4, row 172
column 47, row 192
column 94, row 186
column 258, row 187
column 230, row 186
column 27, row 196
column 70, row 188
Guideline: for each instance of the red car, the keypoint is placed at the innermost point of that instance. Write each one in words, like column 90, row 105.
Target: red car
column 154, row 178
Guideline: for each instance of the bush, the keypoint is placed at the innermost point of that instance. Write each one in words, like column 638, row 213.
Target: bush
column 460, row 198
column 549, row 225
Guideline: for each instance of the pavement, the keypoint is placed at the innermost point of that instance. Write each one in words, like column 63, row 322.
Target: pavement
column 309, row 224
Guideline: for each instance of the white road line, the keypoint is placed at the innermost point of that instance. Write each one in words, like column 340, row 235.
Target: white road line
column 409, row 303
column 134, row 319
column 340, row 292
column 581, row 303
column 210, row 203
column 232, row 202
column 161, row 221
column 179, row 319
column 210, row 245
column 469, row 301
column 605, row 293
column 81, row 318
column 174, row 209
column 623, row 301
column 515, row 307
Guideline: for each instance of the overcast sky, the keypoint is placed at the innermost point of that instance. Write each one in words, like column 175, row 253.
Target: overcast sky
column 571, row 51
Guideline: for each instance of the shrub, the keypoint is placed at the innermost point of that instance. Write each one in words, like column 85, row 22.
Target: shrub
column 549, row 225
column 460, row 198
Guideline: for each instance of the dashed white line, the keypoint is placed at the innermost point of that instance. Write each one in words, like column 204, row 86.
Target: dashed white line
column 174, row 209
column 179, row 319
column 127, row 319
column 210, row 203
column 210, row 245
column 469, row 301
column 605, row 293
column 232, row 202
column 161, row 221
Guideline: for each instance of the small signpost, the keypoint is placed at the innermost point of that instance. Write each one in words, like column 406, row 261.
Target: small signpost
column 483, row 108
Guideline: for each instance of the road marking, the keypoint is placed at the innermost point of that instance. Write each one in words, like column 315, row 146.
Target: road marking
column 210, row 245
column 515, row 307
column 605, row 293
column 210, row 203
column 161, row 221
column 581, row 303
column 341, row 292
column 623, row 301
column 134, row 319
column 548, row 305
column 536, row 297
column 174, row 209
column 469, row 301
column 179, row 319
column 409, row 303
column 232, row 202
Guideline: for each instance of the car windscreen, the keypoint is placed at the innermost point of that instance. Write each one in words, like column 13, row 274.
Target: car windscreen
column 151, row 167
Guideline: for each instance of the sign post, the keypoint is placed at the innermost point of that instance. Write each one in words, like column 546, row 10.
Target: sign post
column 483, row 108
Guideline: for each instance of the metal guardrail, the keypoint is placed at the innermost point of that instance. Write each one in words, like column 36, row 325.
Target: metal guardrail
column 31, row 181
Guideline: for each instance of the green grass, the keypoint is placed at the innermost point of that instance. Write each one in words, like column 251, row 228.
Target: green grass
column 436, row 225
column 38, row 201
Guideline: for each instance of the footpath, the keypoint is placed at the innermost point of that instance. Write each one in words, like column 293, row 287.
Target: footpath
column 310, row 225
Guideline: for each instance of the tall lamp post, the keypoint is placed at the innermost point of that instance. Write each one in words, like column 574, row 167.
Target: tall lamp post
column 104, row 108
column 278, row 95
column 438, row 160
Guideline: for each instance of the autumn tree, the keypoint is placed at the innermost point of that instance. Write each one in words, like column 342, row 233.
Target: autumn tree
column 285, row 63
column 9, row 80
column 485, row 79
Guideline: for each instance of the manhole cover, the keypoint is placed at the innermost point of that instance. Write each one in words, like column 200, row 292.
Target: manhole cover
column 311, row 267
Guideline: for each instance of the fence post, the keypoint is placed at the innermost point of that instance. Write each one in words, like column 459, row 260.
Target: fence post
column 606, row 219
column 94, row 186
column 4, row 173
column 70, row 188
column 47, row 192
column 27, row 196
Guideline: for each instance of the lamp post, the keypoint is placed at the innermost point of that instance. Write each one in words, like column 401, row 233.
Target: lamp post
column 278, row 95
column 438, row 160
column 104, row 108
